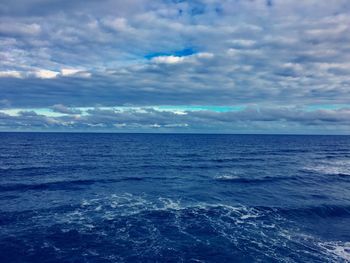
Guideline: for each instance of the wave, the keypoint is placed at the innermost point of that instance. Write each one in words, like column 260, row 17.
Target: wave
column 129, row 204
column 23, row 168
column 38, row 169
column 249, row 179
column 65, row 185
column 339, row 167
column 323, row 211
column 340, row 250
column 237, row 159
column 46, row 186
column 126, row 222
column 193, row 166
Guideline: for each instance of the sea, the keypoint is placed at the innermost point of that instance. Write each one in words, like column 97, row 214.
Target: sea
column 95, row 197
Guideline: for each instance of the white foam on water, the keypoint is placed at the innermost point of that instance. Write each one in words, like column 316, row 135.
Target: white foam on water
column 331, row 167
column 337, row 249
column 92, row 252
column 247, row 216
column 98, row 208
column 85, row 203
column 197, row 260
column 266, row 231
column 89, row 226
column 170, row 204
column 227, row 177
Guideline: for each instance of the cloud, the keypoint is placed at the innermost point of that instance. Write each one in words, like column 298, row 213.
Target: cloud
column 59, row 108
column 45, row 74
column 167, row 59
column 10, row 74
column 4, row 104
column 118, row 24
column 192, row 58
column 263, row 120
column 205, row 52
column 19, row 29
column 69, row 72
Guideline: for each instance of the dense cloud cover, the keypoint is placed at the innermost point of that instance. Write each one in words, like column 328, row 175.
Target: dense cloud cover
column 249, row 120
column 274, row 57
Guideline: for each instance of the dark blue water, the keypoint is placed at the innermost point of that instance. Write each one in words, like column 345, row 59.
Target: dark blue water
column 174, row 198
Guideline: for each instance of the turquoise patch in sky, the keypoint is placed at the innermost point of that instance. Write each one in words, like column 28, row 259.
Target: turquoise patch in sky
column 326, row 107
column 203, row 108
column 182, row 108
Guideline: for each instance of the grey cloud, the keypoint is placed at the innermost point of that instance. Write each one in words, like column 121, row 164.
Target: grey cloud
column 278, row 119
column 27, row 120
column 281, row 52
column 19, row 29
column 4, row 104
column 63, row 109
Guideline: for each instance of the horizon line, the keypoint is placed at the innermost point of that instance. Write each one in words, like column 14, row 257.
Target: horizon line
column 178, row 133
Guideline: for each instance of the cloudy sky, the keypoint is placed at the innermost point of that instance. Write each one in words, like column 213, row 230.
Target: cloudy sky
column 230, row 66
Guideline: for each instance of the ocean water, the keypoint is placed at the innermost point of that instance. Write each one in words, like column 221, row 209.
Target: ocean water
column 174, row 198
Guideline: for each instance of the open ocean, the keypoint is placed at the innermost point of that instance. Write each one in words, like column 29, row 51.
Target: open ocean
column 174, row 198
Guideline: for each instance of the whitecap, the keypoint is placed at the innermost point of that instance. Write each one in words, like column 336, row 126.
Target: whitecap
column 170, row 204
column 337, row 249
column 339, row 167
column 227, row 177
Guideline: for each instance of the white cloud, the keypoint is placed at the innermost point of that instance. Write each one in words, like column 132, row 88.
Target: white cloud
column 179, row 59
column 168, row 59
column 155, row 125
column 71, row 72
column 10, row 74
column 46, row 74
column 204, row 55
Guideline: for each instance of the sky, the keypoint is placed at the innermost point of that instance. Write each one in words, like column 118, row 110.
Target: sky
column 201, row 66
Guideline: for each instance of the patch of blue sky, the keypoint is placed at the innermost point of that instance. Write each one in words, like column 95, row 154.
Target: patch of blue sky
column 202, row 108
column 178, row 53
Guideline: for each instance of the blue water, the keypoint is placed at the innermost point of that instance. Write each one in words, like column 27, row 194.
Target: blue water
column 174, row 198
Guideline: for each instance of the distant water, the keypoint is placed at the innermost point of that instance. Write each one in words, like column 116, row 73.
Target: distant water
column 174, row 198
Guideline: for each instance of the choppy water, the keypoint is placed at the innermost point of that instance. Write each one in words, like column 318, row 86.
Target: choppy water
column 174, row 198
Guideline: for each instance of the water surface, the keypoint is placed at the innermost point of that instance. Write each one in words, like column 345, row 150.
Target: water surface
column 174, row 198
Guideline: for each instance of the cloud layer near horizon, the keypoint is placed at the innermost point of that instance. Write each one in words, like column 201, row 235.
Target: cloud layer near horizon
column 249, row 119
column 273, row 53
